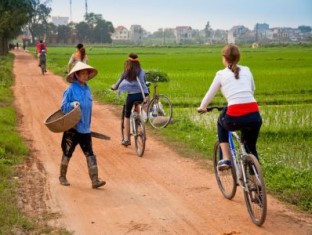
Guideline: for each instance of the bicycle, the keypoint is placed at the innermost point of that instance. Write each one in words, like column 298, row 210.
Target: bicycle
column 137, row 128
column 246, row 172
column 159, row 109
column 42, row 62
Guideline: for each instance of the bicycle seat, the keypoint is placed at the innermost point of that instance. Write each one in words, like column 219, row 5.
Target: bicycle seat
column 138, row 102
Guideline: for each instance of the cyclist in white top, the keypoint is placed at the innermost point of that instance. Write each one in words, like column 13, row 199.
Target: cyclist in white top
column 242, row 113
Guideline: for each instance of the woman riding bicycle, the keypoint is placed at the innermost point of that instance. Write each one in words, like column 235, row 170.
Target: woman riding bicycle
column 128, row 83
column 237, row 86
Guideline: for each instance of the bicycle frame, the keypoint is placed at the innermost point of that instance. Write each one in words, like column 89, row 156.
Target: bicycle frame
column 137, row 128
column 238, row 158
column 135, row 113
column 133, row 116
column 155, row 90
column 42, row 62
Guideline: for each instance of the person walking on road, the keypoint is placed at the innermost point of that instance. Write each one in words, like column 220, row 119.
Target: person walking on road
column 79, row 55
column 79, row 93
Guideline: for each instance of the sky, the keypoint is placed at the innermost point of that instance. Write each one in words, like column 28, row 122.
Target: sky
column 221, row 14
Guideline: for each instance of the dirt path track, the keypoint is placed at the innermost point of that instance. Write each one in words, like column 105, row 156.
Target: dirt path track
column 161, row 193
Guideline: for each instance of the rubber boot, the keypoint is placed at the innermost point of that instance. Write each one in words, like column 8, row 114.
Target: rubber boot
column 63, row 171
column 93, row 172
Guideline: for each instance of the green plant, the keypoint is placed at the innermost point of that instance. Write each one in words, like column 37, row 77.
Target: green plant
column 153, row 75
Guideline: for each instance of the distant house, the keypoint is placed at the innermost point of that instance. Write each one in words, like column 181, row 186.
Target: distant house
column 285, row 34
column 263, row 32
column 261, row 28
column 136, row 34
column 59, row 20
column 239, row 33
column 121, row 33
column 183, row 33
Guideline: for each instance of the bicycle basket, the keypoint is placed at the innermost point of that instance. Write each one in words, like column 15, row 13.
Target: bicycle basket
column 60, row 122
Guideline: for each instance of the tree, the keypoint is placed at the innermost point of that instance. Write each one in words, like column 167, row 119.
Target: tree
column 38, row 25
column 63, row 33
column 208, row 31
column 92, row 19
column 51, row 29
column 14, row 15
column 102, row 32
column 95, row 29
column 83, row 30
column 159, row 33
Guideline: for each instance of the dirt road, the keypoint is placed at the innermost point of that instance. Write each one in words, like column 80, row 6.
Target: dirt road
column 161, row 193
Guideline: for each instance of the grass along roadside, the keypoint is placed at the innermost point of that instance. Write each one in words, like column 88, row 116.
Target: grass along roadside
column 13, row 152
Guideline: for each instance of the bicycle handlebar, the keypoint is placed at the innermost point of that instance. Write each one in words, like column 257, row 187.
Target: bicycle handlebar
column 219, row 108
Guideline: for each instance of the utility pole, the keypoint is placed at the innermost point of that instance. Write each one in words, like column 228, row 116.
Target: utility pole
column 70, row 11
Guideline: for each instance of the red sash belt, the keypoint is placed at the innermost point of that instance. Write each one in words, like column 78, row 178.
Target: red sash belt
column 242, row 109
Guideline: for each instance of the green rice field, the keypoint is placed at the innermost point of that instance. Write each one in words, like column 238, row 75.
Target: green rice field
column 283, row 77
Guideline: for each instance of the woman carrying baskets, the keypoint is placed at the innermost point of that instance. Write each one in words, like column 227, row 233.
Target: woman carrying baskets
column 78, row 93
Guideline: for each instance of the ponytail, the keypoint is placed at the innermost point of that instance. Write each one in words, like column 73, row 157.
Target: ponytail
column 232, row 56
column 235, row 69
column 82, row 53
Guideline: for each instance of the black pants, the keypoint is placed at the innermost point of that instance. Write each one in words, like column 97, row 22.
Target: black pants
column 248, row 124
column 131, row 99
column 70, row 140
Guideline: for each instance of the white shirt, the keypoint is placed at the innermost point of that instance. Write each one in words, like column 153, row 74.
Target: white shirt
column 235, row 91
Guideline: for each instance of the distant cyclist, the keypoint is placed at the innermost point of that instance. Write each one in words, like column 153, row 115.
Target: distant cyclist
column 43, row 61
column 79, row 55
column 41, row 47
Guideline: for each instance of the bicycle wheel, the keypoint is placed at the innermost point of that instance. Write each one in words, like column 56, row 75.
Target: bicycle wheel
column 42, row 68
column 226, row 179
column 139, row 137
column 159, row 111
column 255, row 197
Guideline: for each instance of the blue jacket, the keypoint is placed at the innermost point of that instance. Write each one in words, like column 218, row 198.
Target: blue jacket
column 132, row 87
column 82, row 94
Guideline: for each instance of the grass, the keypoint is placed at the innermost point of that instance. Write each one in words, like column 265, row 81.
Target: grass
column 283, row 90
column 12, row 152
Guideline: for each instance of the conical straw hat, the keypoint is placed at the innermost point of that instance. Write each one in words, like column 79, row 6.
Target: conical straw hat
column 80, row 66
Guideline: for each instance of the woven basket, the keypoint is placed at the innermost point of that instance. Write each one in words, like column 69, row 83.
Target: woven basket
column 60, row 122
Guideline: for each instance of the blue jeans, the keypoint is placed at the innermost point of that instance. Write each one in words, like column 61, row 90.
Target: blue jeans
column 248, row 124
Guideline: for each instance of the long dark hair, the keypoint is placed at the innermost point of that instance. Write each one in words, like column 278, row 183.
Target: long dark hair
column 132, row 67
column 82, row 53
column 232, row 56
